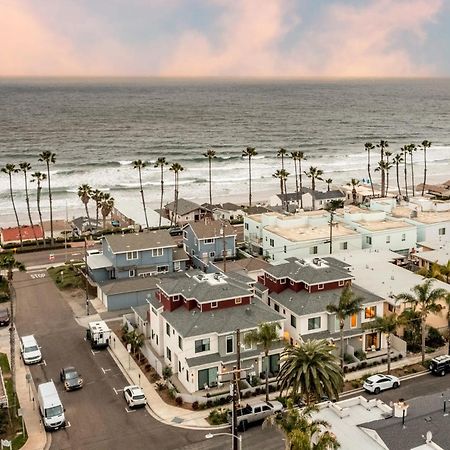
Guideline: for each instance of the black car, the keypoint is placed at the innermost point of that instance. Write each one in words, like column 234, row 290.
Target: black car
column 175, row 231
column 440, row 365
column 4, row 317
column 71, row 378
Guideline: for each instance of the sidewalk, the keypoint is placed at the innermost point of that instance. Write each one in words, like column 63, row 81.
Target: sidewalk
column 37, row 437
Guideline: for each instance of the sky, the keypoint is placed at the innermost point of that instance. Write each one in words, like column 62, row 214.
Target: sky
column 226, row 38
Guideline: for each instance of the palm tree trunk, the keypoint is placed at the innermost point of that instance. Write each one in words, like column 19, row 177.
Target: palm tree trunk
column 87, row 213
column 38, row 201
column 210, row 192
column 370, row 174
column 313, row 186
column 175, row 209
column 286, row 194
column 142, row 196
column 423, row 329
column 412, row 176
column 249, row 181
column 162, row 195
column 387, row 183
column 296, row 182
column 398, row 181
column 52, row 239
column 104, row 221
column 383, row 182
column 15, row 210
column 283, row 206
column 27, row 200
column 406, row 179
column 424, row 169
column 388, row 341
column 341, row 335
column 300, row 182
column 266, row 354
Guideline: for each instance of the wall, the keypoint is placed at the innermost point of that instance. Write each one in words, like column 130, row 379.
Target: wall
column 128, row 299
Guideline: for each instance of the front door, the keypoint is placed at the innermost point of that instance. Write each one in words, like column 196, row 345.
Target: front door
column 207, row 378
column 372, row 342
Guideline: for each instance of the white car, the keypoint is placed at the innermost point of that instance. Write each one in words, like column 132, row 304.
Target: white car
column 134, row 396
column 377, row 383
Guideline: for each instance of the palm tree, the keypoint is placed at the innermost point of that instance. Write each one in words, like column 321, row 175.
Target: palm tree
column 84, row 193
column 249, row 152
column 282, row 175
column 425, row 145
column 281, row 154
column 404, row 150
column 39, row 177
column 301, row 157
column 445, row 271
column 398, row 159
column 315, row 174
column 311, row 370
column 210, row 154
column 107, row 204
column 296, row 157
column 434, row 270
column 176, row 168
column 411, row 149
column 49, row 157
column 383, row 167
column 161, row 162
column 354, row 183
column 387, row 325
column 97, row 196
column 331, row 207
column 328, row 181
column 301, row 431
column 9, row 263
column 369, row 146
column 265, row 336
column 139, row 164
column 349, row 304
column 424, row 301
column 382, row 146
column 25, row 168
column 388, row 154
column 9, row 169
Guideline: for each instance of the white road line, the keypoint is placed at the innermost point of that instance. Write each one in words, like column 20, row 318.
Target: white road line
column 75, row 254
column 68, row 425
column 130, row 410
column 117, row 391
column 94, row 353
column 43, row 363
column 105, row 370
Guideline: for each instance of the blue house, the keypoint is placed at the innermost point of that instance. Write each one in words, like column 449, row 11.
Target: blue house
column 136, row 255
column 204, row 241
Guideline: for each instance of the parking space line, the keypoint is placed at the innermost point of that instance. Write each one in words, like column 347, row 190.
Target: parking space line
column 130, row 410
column 117, row 391
column 68, row 425
column 94, row 353
column 43, row 363
column 105, row 370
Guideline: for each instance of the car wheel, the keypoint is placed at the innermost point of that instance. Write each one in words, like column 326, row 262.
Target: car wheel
column 377, row 390
column 442, row 373
column 395, row 385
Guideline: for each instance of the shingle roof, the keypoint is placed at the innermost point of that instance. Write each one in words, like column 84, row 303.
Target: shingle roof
column 184, row 206
column 179, row 254
column 247, row 264
column 208, row 287
column 124, row 286
column 12, row 234
column 194, row 323
column 318, row 195
column 308, row 271
column 141, row 311
column 303, row 302
column 121, row 243
column 211, row 229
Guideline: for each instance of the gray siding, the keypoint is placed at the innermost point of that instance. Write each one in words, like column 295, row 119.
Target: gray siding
column 127, row 300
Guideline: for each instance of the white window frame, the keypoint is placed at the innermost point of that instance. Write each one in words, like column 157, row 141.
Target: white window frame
column 341, row 283
column 238, row 301
column 314, row 250
column 214, row 305
column 209, row 241
column 132, row 273
column 212, row 254
column 134, row 254
column 162, row 271
column 157, row 252
column 320, row 287
column 442, row 231
column 388, row 239
column 315, row 318
column 283, row 281
column 403, row 237
column 229, row 338
column 176, row 265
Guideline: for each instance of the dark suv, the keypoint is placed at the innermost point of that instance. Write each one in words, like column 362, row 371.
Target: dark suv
column 4, row 317
column 440, row 365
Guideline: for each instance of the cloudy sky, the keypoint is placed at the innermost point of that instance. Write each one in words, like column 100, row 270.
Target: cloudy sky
column 271, row 38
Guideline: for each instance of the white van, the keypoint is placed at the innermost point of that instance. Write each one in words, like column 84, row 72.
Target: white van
column 29, row 348
column 50, row 406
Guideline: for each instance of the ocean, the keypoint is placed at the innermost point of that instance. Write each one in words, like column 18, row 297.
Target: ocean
column 97, row 127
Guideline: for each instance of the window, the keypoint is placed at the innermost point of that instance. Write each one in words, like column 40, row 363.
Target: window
column 246, row 346
column 313, row 250
column 214, row 304
column 291, row 282
column 441, row 231
column 162, row 269
column 175, row 298
column 167, row 329
column 238, row 301
column 230, row 344
column 185, row 234
column 209, row 241
column 212, row 254
column 370, row 312
column 368, row 240
column 388, row 239
column 180, row 342
column 272, row 243
column 176, row 265
column 132, row 255
column 132, row 273
column 268, row 302
column 246, row 226
column 341, row 283
column 314, row 323
column 168, row 354
column 179, row 366
column 157, row 252
column 344, row 245
column 320, row 287
column 283, row 281
column 403, row 237
column 285, row 249
column 192, row 252
column 187, row 375
column 353, row 321
column 202, row 345
column 277, row 308
column 293, row 321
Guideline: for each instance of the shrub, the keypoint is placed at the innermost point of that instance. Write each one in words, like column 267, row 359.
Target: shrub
column 348, row 359
column 363, row 364
column 218, row 416
column 272, row 388
column 282, row 400
column 179, row 401
column 255, row 381
column 160, row 385
column 167, row 372
column 346, row 369
column 195, row 405
column 434, row 338
column 360, row 355
column 246, row 394
column 172, row 393
column 223, row 401
column 355, row 384
column 209, row 404
column 154, row 377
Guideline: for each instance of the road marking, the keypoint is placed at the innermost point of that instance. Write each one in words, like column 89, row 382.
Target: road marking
column 94, row 353
column 68, row 425
column 129, row 410
column 37, row 275
column 43, row 363
column 105, row 370
column 75, row 254
column 117, row 391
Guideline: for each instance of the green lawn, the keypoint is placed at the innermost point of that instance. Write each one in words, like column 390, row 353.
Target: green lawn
column 66, row 277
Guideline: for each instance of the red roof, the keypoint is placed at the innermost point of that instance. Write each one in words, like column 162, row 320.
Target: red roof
column 12, row 234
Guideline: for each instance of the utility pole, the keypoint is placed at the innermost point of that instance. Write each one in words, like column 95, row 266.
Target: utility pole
column 12, row 340
column 85, row 277
column 224, row 247
column 331, row 231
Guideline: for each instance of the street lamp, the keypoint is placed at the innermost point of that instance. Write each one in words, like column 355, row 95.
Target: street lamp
column 238, row 437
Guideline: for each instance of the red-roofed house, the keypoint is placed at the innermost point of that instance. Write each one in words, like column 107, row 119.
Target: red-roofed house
column 11, row 235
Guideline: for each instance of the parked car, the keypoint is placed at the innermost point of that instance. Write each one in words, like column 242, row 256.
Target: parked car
column 440, row 365
column 134, row 396
column 255, row 413
column 30, row 350
column 115, row 223
column 4, row 317
column 71, row 378
column 175, row 231
column 377, row 383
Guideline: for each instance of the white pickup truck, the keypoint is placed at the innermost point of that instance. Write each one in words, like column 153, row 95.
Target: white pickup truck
column 255, row 413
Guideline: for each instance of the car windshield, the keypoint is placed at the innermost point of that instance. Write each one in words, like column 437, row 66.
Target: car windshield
column 369, row 381
column 3, row 314
column 138, row 397
column 31, row 348
column 71, row 375
column 53, row 411
column 270, row 404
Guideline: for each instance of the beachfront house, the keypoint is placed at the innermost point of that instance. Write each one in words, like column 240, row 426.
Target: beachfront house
column 225, row 211
column 278, row 236
column 136, row 255
column 301, row 289
column 192, row 328
column 186, row 211
column 206, row 241
column 11, row 235
column 322, row 198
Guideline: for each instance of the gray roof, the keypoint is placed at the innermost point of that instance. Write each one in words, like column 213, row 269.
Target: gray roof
column 195, row 323
column 308, row 271
column 424, row 414
column 303, row 302
column 141, row 311
column 211, row 229
column 334, row 336
column 179, row 254
column 123, row 286
column 98, row 261
column 208, row 287
column 184, row 206
column 318, row 195
column 225, row 359
column 337, row 262
column 121, row 243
